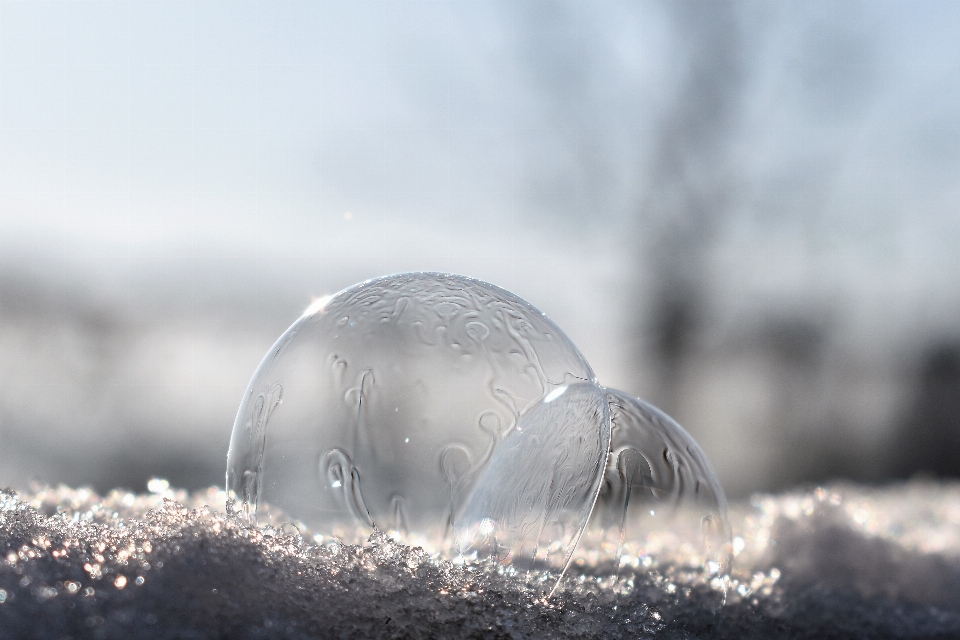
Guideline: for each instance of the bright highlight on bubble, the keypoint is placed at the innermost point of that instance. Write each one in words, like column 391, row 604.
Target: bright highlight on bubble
column 455, row 415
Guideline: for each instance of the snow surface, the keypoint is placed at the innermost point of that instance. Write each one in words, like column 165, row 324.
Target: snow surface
column 840, row 561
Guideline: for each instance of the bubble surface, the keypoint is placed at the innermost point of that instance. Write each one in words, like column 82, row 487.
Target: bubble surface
column 393, row 403
column 535, row 496
column 660, row 496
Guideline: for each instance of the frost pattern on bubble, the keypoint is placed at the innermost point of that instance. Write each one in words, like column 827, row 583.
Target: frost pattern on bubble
column 536, row 495
column 384, row 406
column 660, row 495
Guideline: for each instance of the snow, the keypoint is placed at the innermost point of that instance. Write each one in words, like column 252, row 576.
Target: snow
column 838, row 561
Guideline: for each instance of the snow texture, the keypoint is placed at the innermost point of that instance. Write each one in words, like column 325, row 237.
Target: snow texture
column 840, row 561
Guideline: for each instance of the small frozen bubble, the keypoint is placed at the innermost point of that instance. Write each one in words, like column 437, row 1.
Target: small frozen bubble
column 388, row 404
column 661, row 499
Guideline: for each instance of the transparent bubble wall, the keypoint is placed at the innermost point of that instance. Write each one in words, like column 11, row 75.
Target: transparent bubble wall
column 451, row 413
column 660, row 496
column 533, row 500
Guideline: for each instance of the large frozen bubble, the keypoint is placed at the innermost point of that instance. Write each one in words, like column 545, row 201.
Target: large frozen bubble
column 660, row 496
column 407, row 402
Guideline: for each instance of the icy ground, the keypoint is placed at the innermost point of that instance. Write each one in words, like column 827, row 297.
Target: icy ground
column 836, row 562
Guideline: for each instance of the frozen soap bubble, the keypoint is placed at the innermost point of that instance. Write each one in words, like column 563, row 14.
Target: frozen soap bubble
column 661, row 502
column 405, row 401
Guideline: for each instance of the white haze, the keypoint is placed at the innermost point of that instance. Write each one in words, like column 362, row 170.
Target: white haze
column 179, row 180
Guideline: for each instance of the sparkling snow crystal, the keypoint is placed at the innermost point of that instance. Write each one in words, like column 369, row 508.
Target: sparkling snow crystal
column 835, row 562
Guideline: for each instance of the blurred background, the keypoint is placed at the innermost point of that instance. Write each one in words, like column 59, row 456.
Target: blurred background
column 745, row 212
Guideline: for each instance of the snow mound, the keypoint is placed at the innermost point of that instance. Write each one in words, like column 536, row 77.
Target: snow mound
column 839, row 561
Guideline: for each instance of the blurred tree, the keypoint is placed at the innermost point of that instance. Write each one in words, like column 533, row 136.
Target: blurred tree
column 928, row 438
column 690, row 182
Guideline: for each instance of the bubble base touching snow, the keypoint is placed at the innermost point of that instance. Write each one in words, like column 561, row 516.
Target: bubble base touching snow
column 836, row 562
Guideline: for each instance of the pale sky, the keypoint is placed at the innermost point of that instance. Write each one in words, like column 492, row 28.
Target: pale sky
column 308, row 145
